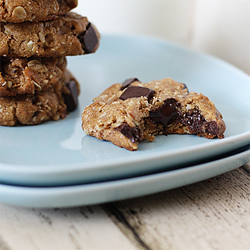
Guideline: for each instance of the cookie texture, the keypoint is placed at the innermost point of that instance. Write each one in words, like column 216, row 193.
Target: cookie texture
column 34, row 10
column 49, row 104
column 29, row 75
column 129, row 113
column 68, row 35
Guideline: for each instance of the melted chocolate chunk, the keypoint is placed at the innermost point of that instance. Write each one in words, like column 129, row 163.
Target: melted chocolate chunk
column 212, row 128
column 194, row 120
column 137, row 91
column 89, row 39
column 127, row 82
column 71, row 100
column 132, row 134
column 165, row 113
column 197, row 124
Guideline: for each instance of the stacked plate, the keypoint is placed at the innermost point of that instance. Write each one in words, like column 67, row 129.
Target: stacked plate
column 57, row 165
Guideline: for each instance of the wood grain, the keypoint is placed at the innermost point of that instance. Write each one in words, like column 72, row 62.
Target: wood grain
column 212, row 214
column 59, row 229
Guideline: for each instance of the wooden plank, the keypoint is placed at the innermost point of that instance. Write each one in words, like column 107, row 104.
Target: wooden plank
column 212, row 214
column 44, row 229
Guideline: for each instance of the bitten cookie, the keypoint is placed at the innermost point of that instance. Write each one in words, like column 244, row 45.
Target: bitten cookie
column 68, row 35
column 129, row 113
column 34, row 10
column 29, row 75
column 53, row 103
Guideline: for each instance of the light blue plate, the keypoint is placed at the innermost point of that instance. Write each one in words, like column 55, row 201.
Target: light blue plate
column 59, row 153
column 96, row 193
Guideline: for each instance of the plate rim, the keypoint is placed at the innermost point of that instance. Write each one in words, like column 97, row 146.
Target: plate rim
column 37, row 196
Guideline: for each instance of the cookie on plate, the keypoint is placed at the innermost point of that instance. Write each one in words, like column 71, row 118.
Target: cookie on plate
column 29, row 75
column 68, row 35
column 128, row 113
column 53, row 103
column 34, row 10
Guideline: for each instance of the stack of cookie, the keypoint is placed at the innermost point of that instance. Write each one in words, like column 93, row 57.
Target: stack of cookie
column 35, row 38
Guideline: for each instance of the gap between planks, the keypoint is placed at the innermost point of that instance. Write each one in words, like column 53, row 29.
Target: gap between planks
column 222, row 202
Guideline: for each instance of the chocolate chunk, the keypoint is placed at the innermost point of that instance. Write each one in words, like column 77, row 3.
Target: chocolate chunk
column 136, row 91
column 71, row 99
column 194, row 120
column 197, row 124
column 165, row 113
column 185, row 87
column 127, row 82
column 212, row 128
column 35, row 113
column 2, row 63
column 132, row 134
column 89, row 39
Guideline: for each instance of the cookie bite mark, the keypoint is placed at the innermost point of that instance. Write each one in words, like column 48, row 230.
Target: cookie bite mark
column 127, row 115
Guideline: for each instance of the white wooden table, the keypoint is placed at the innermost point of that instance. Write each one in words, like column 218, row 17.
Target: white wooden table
column 212, row 214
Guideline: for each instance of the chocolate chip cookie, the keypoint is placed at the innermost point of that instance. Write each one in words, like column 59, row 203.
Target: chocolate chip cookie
column 54, row 103
column 34, row 10
column 129, row 113
column 29, row 75
column 68, row 35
